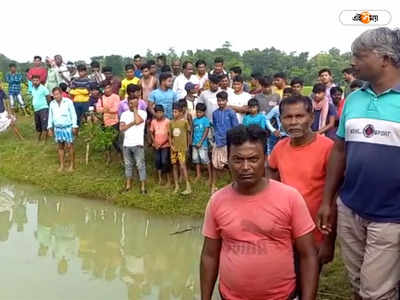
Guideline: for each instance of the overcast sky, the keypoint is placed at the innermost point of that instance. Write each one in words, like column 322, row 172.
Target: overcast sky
column 79, row 29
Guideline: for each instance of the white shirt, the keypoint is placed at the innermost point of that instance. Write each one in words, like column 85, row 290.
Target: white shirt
column 241, row 99
column 209, row 98
column 133, row 136
column 180, row 82
column 202, row 80
column 64, row 72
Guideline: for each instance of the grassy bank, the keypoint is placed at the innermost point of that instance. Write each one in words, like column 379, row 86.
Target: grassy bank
column 33, row 163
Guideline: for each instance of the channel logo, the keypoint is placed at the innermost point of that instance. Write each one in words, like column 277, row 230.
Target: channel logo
column 365, row 17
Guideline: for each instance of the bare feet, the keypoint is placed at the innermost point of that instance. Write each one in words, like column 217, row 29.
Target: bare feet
column 60, row 169
column 176, row 190
column 196, row 179
column 213, row 189
column 188, row 191
column 70, row 169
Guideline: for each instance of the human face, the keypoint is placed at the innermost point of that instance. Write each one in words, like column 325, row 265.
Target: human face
column 176, row 67
column 138, row 62
column 224, row 83
column 13, row 69
column 296, row 120
column 253, row 110
column 37, row 62
column 35, row 82
column 201, row 69
column 200, row 113
column 237, row 87
column 318, row 97
column 213, row 86
column 233, row 74
column 222, row 103
column 267, row 90
column 279, row 82
column 297, row 88
column 347, row 77
column 188, row 71
column 168, row 82
column 82, row 74
column 325, row 78
column 130, row 74
column 146, row 72
column 153, row 70
column 108, row 75
column 337, row 97
column 159, row 115
column 95, row 69
column 176, row 113
column 133, row 104
column 286, row 95
column 160, row 62
column 247, row 163
column 95, row 93
column 138, row 94
column 367, row 65
column 58, row 60
column 108, row 90
column 253, row 82
column 57, row 95
column 218, row 68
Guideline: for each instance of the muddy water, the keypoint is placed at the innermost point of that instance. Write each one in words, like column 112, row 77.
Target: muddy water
column 55, row 247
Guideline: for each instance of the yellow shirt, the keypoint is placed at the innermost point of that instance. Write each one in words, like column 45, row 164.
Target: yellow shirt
column 278, row 91
column 80, row 95
column 124, row 85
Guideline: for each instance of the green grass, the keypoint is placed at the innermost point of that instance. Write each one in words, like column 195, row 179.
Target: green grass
column 33, row 163
column 307, row 90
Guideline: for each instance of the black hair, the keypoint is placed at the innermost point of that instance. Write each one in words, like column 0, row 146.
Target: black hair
column 165, row 69
column 222, row 95
column 95, row 87
column 222, row 76
column 200, row 62
column 201, row 107
column 335, row 89
column 132, row 88
column 253, row 102
column 324, row 70
column 63, row 86
column 280, row 75
column 182, row 103
column 297, row 80
column 105, row 83
column 35, row 76
column 241, row 134
column 238, row 78
column 158, row 107
column 129, row 67
column 177, row 106
column 164, row 76
column 144, row 66
column 37, row 57
column 107, row 69
column 137, row 56
column 257, row 76
column 162, row 57
column 184, row 65
column 219, row 59
column 348, row 71
column 318, row 88
column 151, row 62
column 56, row 89
column 266, row 81
column 237, row 70
column 95, row 64
column 288, row 90
column 27, row 70
column 214, row 78
column 12, row 65
column 294, row 100
column 81, row 68
column 356, row 84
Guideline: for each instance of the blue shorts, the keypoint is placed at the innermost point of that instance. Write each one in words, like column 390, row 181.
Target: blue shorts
column 63, row 135
column 200, row 156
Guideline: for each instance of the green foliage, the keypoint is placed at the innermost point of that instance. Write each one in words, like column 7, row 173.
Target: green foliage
column 99, row 137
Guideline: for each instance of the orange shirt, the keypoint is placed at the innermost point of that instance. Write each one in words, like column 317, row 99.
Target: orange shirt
column 160, row 129
column 257, row 234
column 304, row 168
column 110, row 104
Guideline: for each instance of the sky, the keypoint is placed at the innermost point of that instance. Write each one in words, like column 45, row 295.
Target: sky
column 80, row 29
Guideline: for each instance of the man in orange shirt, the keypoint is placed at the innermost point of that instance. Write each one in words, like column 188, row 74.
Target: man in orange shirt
column 301, row 162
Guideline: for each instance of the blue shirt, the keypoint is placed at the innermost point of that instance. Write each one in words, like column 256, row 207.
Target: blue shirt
column 223, row 121
column 199, row 127
column 164, row 98
column 2, row 97
column 274, row 115
column 370, row 126
column 332, row 111
column 14, row 83
column 258, row 119
column 138, row 73
column 39, row 97
column 62, row 115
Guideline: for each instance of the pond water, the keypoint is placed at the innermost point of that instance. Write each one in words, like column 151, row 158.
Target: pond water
column 61, row 247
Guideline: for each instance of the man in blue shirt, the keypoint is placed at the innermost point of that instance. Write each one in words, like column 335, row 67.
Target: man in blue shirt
column 14, row 81
column 365, row 163
column 40, row 99
column 164, row 95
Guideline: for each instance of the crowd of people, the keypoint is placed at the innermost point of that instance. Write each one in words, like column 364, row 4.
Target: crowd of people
column 313, row 144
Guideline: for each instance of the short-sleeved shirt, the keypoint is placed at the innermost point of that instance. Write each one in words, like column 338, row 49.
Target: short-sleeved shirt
column 304, row 168
column 2, row 97
column 331, row 112
column 134, row 136
column 179, row 130
column 14, row 81
column 258, row 119
column 39, row 98
column 240, row 100
column 160, row 129
column 164, row 98
column 38, row 71
column 209, row 98
column 124, row 85
column 267, row 102
column 223, row 121
column 257, row 233
column 370, row 126
column 199, row 127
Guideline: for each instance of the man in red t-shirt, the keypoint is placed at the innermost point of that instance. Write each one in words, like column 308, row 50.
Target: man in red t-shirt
column 301, row 162
column 250, row 228
column 38, row 70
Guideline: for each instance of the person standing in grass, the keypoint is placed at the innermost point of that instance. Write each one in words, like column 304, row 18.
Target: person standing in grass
column 63, row 126
column 201, row 127
column 325, row 78
column 164, row 95
column 129, row 79
column 159, row 129
column 179, row 131
column 132, row 124
column 254, row 117
column 38, row 70
column 40, row 99
column 14, row 81
column 80, row 90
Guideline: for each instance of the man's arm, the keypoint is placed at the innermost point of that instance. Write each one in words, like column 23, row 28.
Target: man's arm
column 329, row 126
column 334, row 178
column 239, row 109
column 309, row 268
column 209, row 265
column 205, row 135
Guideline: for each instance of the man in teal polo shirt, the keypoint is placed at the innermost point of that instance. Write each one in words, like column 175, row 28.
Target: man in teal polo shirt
column 365, row 161
column 40, row 102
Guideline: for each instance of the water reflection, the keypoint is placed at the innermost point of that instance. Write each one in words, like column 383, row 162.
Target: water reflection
column 129, row 252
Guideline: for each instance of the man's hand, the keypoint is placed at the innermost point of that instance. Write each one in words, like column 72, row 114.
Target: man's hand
column 198, row 146
column 75, row 131
column 323, row 216
column 50, row 132
column 326, row 252
column 277, row 133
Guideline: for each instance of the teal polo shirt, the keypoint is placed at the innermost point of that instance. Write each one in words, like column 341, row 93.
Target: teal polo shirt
column 39, row 100
column 370, row 127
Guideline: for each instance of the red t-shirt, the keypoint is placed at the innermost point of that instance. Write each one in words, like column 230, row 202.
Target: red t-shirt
column 257, row 232
column 38, row 71
column 340, row 107
column 304, row 168
column 160, row 129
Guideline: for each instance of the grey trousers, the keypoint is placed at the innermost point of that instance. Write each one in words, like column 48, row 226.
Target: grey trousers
column 131, row 155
